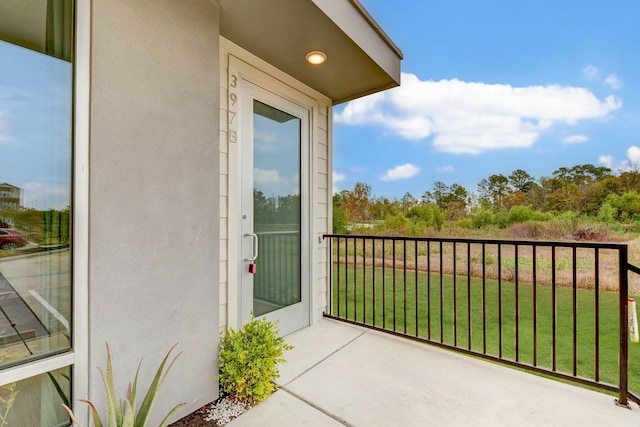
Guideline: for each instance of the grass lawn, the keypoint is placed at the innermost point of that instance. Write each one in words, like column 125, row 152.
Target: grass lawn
column 450, row 310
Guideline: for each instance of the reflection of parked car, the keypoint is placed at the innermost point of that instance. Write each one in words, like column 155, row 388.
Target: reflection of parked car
column 11, row 239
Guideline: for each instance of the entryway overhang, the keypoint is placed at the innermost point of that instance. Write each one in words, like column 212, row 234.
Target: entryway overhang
column 361, row 59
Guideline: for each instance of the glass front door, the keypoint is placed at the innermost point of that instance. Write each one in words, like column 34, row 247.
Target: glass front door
column 274, row 137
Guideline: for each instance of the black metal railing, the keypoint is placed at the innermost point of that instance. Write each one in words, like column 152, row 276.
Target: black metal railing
column 555, row 308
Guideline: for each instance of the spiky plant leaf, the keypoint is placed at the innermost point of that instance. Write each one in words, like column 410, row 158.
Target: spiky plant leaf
column 97, row 422
column 175, row 408
column 114, row 412
column 150, row 397
column 73, row 417
column 129, row 415
column 133, row 389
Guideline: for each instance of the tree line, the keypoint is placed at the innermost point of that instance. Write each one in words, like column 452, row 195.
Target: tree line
column 584, row 191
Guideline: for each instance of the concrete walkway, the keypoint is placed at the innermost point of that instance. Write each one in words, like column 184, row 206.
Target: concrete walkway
column 340, row 374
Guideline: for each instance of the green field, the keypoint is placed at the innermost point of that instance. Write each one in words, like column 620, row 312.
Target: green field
column 456, row 297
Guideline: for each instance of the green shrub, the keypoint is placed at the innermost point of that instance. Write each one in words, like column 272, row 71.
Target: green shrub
column 607, row 213
column 483, row 218
column 249, row 359
column 416, row 227
column 396, row 223
column 428, row 213
column 123, row 412
column 520, row 214
column 339, row 220
column 465, row 223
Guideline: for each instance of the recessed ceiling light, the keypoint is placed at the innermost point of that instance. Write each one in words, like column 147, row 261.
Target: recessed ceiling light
column 316, row 57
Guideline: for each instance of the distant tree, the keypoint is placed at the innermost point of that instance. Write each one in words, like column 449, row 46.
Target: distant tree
column 429, row 214
column 536, row 197
column 560, row 194
column 438, row 194
column 453, row 199
column 407, row 202
column 516, row 198
column 592, row 197
column 264, row 208
column 563, row 200
column 339, row 215
column 383, row 207
column 581, row 175
column 629, row 180
column 494, row 189
column 457, row 202
column 519, row 180
column 358, row 203
column 288, row 209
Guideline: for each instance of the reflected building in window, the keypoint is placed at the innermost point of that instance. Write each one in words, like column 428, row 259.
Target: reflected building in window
column 10, row 196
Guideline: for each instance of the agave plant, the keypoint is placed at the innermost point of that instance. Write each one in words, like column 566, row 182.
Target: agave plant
column 123, row 412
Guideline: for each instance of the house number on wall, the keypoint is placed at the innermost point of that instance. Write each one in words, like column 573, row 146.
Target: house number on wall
column 233, row 108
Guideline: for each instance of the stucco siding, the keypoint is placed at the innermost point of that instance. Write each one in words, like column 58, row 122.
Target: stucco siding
column 154, row 194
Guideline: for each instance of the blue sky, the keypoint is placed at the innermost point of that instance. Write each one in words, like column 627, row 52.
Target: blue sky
column 493, row 86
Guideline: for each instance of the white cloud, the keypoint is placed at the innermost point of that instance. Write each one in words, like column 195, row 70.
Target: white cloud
column 632, row 161
column 446, row 169
column 574, row 139
column 633, row 154
column 591, row 72
column 464, row 117
column 265, row 142
column 606, row 161
column 266, row 176
column 338, row 177
column 405, row 171
column 613, row 81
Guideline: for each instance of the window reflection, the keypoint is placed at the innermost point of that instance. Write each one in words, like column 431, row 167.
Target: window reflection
column 36, row 401
column 35, row 199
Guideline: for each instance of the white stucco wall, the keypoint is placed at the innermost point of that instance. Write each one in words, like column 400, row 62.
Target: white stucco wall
column 154, row 202
column 321, row 191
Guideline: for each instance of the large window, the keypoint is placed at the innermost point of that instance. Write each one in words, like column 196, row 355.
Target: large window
column 36, row 135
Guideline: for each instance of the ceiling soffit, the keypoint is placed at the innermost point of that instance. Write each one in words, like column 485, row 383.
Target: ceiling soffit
column 360, row 57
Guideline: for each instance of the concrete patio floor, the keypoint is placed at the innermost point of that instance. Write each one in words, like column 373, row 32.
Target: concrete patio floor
column 339, row 374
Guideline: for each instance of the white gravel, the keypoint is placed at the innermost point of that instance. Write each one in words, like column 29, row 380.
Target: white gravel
column 225, row 410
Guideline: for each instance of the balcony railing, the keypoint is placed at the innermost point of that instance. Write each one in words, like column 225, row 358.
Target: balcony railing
column 554, row 308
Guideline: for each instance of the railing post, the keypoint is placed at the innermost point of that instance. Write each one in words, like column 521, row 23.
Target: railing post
column 330, row 262
column 624, row 325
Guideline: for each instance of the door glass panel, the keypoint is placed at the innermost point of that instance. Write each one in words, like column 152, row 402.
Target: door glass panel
column 276, row 205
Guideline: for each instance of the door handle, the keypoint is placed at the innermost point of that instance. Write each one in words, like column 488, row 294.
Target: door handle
column 254, row 252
